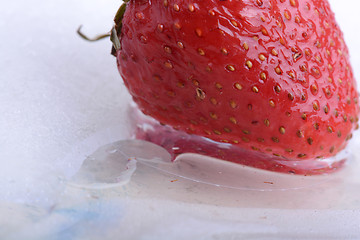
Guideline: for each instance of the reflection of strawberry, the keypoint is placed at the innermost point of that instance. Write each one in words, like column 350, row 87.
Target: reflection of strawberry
column 268, row 76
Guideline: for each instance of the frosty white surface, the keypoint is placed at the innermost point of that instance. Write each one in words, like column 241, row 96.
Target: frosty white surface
column 61, row 100
column 56, row 91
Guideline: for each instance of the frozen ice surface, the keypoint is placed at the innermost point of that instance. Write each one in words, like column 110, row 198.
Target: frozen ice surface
column 62, row 101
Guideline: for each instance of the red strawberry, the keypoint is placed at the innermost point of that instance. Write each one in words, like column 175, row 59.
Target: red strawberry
column 271, row 76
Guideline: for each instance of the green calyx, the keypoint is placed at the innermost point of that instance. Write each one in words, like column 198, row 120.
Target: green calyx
column 114, row 37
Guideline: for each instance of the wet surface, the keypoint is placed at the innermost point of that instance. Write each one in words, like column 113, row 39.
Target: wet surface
column 66, row 143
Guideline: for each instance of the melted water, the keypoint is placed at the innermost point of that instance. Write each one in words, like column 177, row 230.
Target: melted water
column 178, row 143
column 114, row 164
column 196, row 159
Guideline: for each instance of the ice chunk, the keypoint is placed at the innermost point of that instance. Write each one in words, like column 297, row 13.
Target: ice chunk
column 112, row 165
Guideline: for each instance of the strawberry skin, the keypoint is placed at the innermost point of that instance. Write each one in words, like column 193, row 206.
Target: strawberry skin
column 271, row 76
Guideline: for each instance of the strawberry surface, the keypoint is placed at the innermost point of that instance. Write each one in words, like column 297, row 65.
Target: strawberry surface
column 269, row 76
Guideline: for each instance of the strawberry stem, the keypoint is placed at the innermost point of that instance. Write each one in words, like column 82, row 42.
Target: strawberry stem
column 114, row 38
column 94, row 39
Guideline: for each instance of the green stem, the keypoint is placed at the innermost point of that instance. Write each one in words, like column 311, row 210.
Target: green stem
column 94, row 39
column 114, row 36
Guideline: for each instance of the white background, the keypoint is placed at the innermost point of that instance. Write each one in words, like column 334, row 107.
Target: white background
column 61, row 98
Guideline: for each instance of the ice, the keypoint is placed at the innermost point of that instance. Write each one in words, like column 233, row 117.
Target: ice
column 114, row 164
column 62, row 102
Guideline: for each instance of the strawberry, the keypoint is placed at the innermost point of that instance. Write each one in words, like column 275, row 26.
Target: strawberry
column 272, row 77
